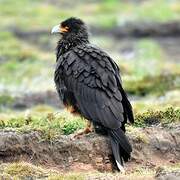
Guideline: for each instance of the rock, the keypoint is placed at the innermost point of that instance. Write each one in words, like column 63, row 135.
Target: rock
column 91, row 151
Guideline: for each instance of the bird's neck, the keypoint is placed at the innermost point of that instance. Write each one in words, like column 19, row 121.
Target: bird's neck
column 64, row 45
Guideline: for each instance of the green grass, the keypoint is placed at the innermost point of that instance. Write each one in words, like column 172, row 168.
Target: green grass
column 14, row 72
column 24, row 169
column 164, row 117
column 159, row 10
column 26, row 66
column 148, row 59
column 34, row 14
column 21, row 64
column 26, row 13
column 51, row 124
column 11, row 48
column 154, row 103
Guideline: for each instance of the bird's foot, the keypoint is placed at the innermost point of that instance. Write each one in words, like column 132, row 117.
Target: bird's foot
column 87, row 130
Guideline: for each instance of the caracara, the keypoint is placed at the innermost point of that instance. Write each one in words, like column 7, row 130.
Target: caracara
column 88, row 81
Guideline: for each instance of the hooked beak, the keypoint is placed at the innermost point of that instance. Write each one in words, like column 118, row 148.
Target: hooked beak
column 59, row 29
column 55, row 29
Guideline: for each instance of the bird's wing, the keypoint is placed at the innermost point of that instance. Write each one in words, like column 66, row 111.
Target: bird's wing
column 95, row 82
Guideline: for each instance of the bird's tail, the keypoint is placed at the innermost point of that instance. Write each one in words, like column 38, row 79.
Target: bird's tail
column 121, row 147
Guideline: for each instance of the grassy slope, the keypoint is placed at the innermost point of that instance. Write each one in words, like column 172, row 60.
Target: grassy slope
column 30, row 68
column 22, row 65
column 104, row 13
column 52, row 124
column 27, row 66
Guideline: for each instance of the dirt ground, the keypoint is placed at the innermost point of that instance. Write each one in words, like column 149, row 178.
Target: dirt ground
column 153, row 147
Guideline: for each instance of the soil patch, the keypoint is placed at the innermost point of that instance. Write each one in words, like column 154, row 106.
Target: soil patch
column 152, row 147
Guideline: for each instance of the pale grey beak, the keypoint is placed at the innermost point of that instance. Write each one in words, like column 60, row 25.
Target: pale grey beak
column 55, row 29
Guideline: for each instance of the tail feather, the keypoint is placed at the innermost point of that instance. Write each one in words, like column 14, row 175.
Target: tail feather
column 121, row 147
column 116, row 152
column 127, row 106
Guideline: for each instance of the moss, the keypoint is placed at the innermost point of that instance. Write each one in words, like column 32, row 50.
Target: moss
column 153, row 84
column 72, row 126
column 164, row 117
column 49, row 124
column 24, row 170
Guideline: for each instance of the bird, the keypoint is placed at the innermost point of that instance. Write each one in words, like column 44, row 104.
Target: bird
column 88, row 83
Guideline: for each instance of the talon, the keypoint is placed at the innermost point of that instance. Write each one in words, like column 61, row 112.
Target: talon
column 87, row 130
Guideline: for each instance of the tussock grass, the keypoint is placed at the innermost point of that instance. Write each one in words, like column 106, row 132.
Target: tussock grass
column 164, row 117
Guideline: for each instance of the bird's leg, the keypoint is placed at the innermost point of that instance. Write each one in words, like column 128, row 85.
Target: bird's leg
column 71, row 109
column 87, row 130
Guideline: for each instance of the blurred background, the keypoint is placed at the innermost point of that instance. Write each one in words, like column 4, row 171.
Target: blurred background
column 142, row 36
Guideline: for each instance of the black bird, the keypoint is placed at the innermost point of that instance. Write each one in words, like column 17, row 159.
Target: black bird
column 88, row 81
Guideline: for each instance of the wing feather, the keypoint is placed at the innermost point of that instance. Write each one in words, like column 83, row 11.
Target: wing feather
column 94, row 80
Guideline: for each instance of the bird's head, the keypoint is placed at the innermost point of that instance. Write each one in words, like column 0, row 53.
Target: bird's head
column 71, row 28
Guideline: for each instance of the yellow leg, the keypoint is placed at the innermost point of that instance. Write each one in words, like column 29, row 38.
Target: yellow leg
column 87, row 130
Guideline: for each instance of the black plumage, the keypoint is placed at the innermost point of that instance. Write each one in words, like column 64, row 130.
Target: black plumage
column 89, row 80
